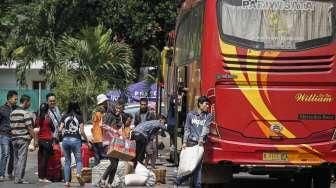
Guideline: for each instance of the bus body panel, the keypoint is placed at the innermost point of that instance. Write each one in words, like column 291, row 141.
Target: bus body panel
column 271, row 107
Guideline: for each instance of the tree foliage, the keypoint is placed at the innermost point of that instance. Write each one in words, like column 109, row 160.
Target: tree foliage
column 39, row 25
column 94, row 60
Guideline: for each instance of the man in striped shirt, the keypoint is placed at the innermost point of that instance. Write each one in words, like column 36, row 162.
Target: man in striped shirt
column 21, row 122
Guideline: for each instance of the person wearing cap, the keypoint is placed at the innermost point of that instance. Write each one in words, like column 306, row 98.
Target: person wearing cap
column 97, row 131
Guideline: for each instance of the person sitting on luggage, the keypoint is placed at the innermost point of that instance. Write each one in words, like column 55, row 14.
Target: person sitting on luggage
column 45, row 141
column 72, row 129
column 112, row 124
column 143, row 133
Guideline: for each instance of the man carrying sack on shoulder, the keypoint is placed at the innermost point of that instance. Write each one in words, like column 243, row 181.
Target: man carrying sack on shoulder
column 196, row 129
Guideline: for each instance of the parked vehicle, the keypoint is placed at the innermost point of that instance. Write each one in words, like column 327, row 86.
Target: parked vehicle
column 269, row 69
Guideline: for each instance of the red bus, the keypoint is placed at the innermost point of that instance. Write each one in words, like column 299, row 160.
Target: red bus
column 268, row 67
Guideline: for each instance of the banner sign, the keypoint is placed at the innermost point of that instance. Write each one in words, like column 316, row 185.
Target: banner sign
column 287, row 5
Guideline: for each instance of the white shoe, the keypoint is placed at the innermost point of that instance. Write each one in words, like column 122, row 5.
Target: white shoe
column 46, row 181
column 41, row 180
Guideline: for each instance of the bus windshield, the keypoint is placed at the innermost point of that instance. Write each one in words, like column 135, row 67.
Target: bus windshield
column 277, row 24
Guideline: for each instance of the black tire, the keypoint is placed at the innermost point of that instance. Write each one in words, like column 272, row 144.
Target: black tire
column 303, row 180
column 220, row 185
column 322, row 177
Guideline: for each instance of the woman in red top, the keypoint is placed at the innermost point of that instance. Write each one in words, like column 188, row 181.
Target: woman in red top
column 45, row 135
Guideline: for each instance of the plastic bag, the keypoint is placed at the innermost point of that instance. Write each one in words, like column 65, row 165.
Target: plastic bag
column 141, row 170
column 190, row 157
column 150, row 182
column 135, row 180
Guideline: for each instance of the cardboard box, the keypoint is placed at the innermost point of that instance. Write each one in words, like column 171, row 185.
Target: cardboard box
column 160, row 175
column 74, row 175
column 87, row 175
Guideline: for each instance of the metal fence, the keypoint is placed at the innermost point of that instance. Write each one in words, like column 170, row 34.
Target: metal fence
column 37, row 97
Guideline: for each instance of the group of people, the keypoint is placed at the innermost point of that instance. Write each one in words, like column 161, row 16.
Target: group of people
column 21, row 130
column 109, row 120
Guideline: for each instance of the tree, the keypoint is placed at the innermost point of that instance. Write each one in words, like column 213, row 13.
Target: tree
column 141, row 23
column 39, row 25
column 93, row 60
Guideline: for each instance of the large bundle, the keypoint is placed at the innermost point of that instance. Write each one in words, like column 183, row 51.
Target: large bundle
column 160, row 175
column 123, row 149
column 87, row 175
column 123, row 169
column 190, row 157
column 98, row 171
column 141, row 177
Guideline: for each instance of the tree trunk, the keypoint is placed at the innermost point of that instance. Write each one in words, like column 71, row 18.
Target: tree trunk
column 86, row 107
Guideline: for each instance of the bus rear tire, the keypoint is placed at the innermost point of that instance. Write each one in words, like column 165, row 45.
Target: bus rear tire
column 303, row 180
column 322, row 177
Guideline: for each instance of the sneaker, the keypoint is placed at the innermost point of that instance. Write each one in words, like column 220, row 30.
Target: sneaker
column 67, row 184
column 2, row 178
column 41, row 180
column 21, row 182
column 47, row 181
column 80, row 180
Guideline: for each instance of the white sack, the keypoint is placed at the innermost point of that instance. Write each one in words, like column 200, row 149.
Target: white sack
column 135, row 180
column 190, row 157
column 141, row 170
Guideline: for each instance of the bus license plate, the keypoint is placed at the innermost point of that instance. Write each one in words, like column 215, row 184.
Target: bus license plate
column 275, row 156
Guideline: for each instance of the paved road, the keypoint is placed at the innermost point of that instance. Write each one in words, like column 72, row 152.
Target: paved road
column 31, row 176
column 240, row 181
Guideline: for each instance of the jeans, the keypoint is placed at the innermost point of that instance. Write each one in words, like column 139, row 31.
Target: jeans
column 20, row 151
column 73, row 145
column 10, row 166
column 4, row 151
column 196, row 178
